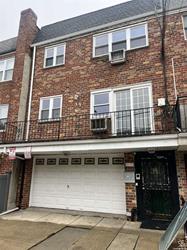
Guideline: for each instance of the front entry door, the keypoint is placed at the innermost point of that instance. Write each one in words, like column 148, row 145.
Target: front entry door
column 156, row 182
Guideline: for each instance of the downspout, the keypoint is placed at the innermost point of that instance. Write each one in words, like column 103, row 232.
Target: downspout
column 30, row 93
column 174, row 78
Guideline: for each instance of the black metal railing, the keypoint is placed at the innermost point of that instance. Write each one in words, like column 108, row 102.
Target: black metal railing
column 124, row 123
column 181, row 113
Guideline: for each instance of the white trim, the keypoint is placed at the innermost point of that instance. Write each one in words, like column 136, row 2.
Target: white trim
column 54, row 55
column 125, row 144
column 185, row 15
column 30, row 93
column 51, row 100
column 128, row 38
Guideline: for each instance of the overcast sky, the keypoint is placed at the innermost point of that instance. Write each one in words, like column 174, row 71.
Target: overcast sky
column 48, row 11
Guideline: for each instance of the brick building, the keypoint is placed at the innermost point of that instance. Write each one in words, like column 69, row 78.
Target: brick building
column 104, row 120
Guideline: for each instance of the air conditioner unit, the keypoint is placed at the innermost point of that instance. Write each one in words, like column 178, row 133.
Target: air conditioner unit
column 99, row 125
column 117, row 56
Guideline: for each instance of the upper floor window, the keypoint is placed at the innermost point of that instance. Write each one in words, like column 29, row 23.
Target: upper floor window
column 125, row 38
column 54, row 56
column 185, row 26
column 3, row 116
column 101, row 103
column 6, row 69
column 130, row 108
column 50, row 108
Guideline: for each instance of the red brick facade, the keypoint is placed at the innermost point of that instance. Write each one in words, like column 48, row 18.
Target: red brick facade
column 83, row 74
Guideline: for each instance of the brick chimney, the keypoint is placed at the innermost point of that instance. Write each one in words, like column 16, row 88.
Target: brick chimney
column 26, row 34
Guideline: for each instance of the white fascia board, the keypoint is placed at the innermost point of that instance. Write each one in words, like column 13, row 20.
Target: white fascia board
column 117, row 144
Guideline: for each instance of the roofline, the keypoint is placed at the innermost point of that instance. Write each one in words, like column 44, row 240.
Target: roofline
column 82, row 32
column 8, row 52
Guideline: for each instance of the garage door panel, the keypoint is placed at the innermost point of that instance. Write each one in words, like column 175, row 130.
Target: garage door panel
column 98, row 188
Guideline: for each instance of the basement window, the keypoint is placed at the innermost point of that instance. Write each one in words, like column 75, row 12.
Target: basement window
column 54, row 56
column 6, row 69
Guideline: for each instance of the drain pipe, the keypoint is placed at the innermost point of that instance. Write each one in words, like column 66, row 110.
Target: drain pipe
column 174, row 78
column 30, row 93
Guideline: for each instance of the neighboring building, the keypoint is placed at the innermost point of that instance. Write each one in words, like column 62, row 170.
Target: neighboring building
column 102, row 135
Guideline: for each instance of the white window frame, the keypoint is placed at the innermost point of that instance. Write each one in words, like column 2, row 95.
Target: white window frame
column 54, row 55
column 112, row 102
column 185, row 37
column 100, row 92
column 50, row 98
column 127, row 39
column 5, row 68
column 7, row 105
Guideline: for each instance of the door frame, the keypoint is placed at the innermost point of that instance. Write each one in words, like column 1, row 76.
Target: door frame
column 173, row 179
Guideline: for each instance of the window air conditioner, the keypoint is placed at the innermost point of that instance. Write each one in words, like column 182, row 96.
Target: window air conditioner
column 100, row 124
column 117, row 56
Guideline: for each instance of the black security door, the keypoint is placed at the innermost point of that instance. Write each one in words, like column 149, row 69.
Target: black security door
column 156, row 182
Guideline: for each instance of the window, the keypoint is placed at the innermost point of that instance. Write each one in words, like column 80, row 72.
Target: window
column 101, row 103
column 6, row 69
column 137, row 37
column 185, row 26
column 50, row 108
column 126, row 38
column 54, row 56
column 131, row 108
column 101, row 45
column 3, row 116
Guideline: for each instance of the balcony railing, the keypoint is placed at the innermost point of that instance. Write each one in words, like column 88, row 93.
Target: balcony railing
column 125, row 123
column 181, row 113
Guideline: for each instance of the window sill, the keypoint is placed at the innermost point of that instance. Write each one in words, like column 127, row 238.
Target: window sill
column 6, row 81
column 49, row 121
column 107, row 55
column 52, row 67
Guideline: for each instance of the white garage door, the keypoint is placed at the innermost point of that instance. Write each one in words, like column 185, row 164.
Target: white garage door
column 97, row 188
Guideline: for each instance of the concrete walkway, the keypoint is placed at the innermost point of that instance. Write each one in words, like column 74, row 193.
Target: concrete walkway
column 40, row 229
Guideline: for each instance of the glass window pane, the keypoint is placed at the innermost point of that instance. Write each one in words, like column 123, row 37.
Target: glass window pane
column 185, row 21
column 3, row 111
column 2, row 63
column 118, row 36
column 45, row 104
column 60, row 50
column 60, row 60
column 44, row 114
column 8, row 75
column 119, row 46
column 101, row 40
column 56, row 102
column 49, row 62
column 137, row 31
column 101, row 109
column 55, row 113
column 2, row 124
column 101, row 50
column 102, row 98
column 10, row 64
column 50, row 52
column 1, row 75
column 138, row 42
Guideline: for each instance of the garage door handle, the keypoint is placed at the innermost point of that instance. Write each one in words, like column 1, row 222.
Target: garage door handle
column 67, row 186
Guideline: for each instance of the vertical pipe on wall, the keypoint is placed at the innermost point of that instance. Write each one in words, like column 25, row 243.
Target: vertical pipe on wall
column 174, row 78
column 30, row 93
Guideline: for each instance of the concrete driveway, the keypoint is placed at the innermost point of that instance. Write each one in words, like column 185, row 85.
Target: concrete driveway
column 40, row 229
